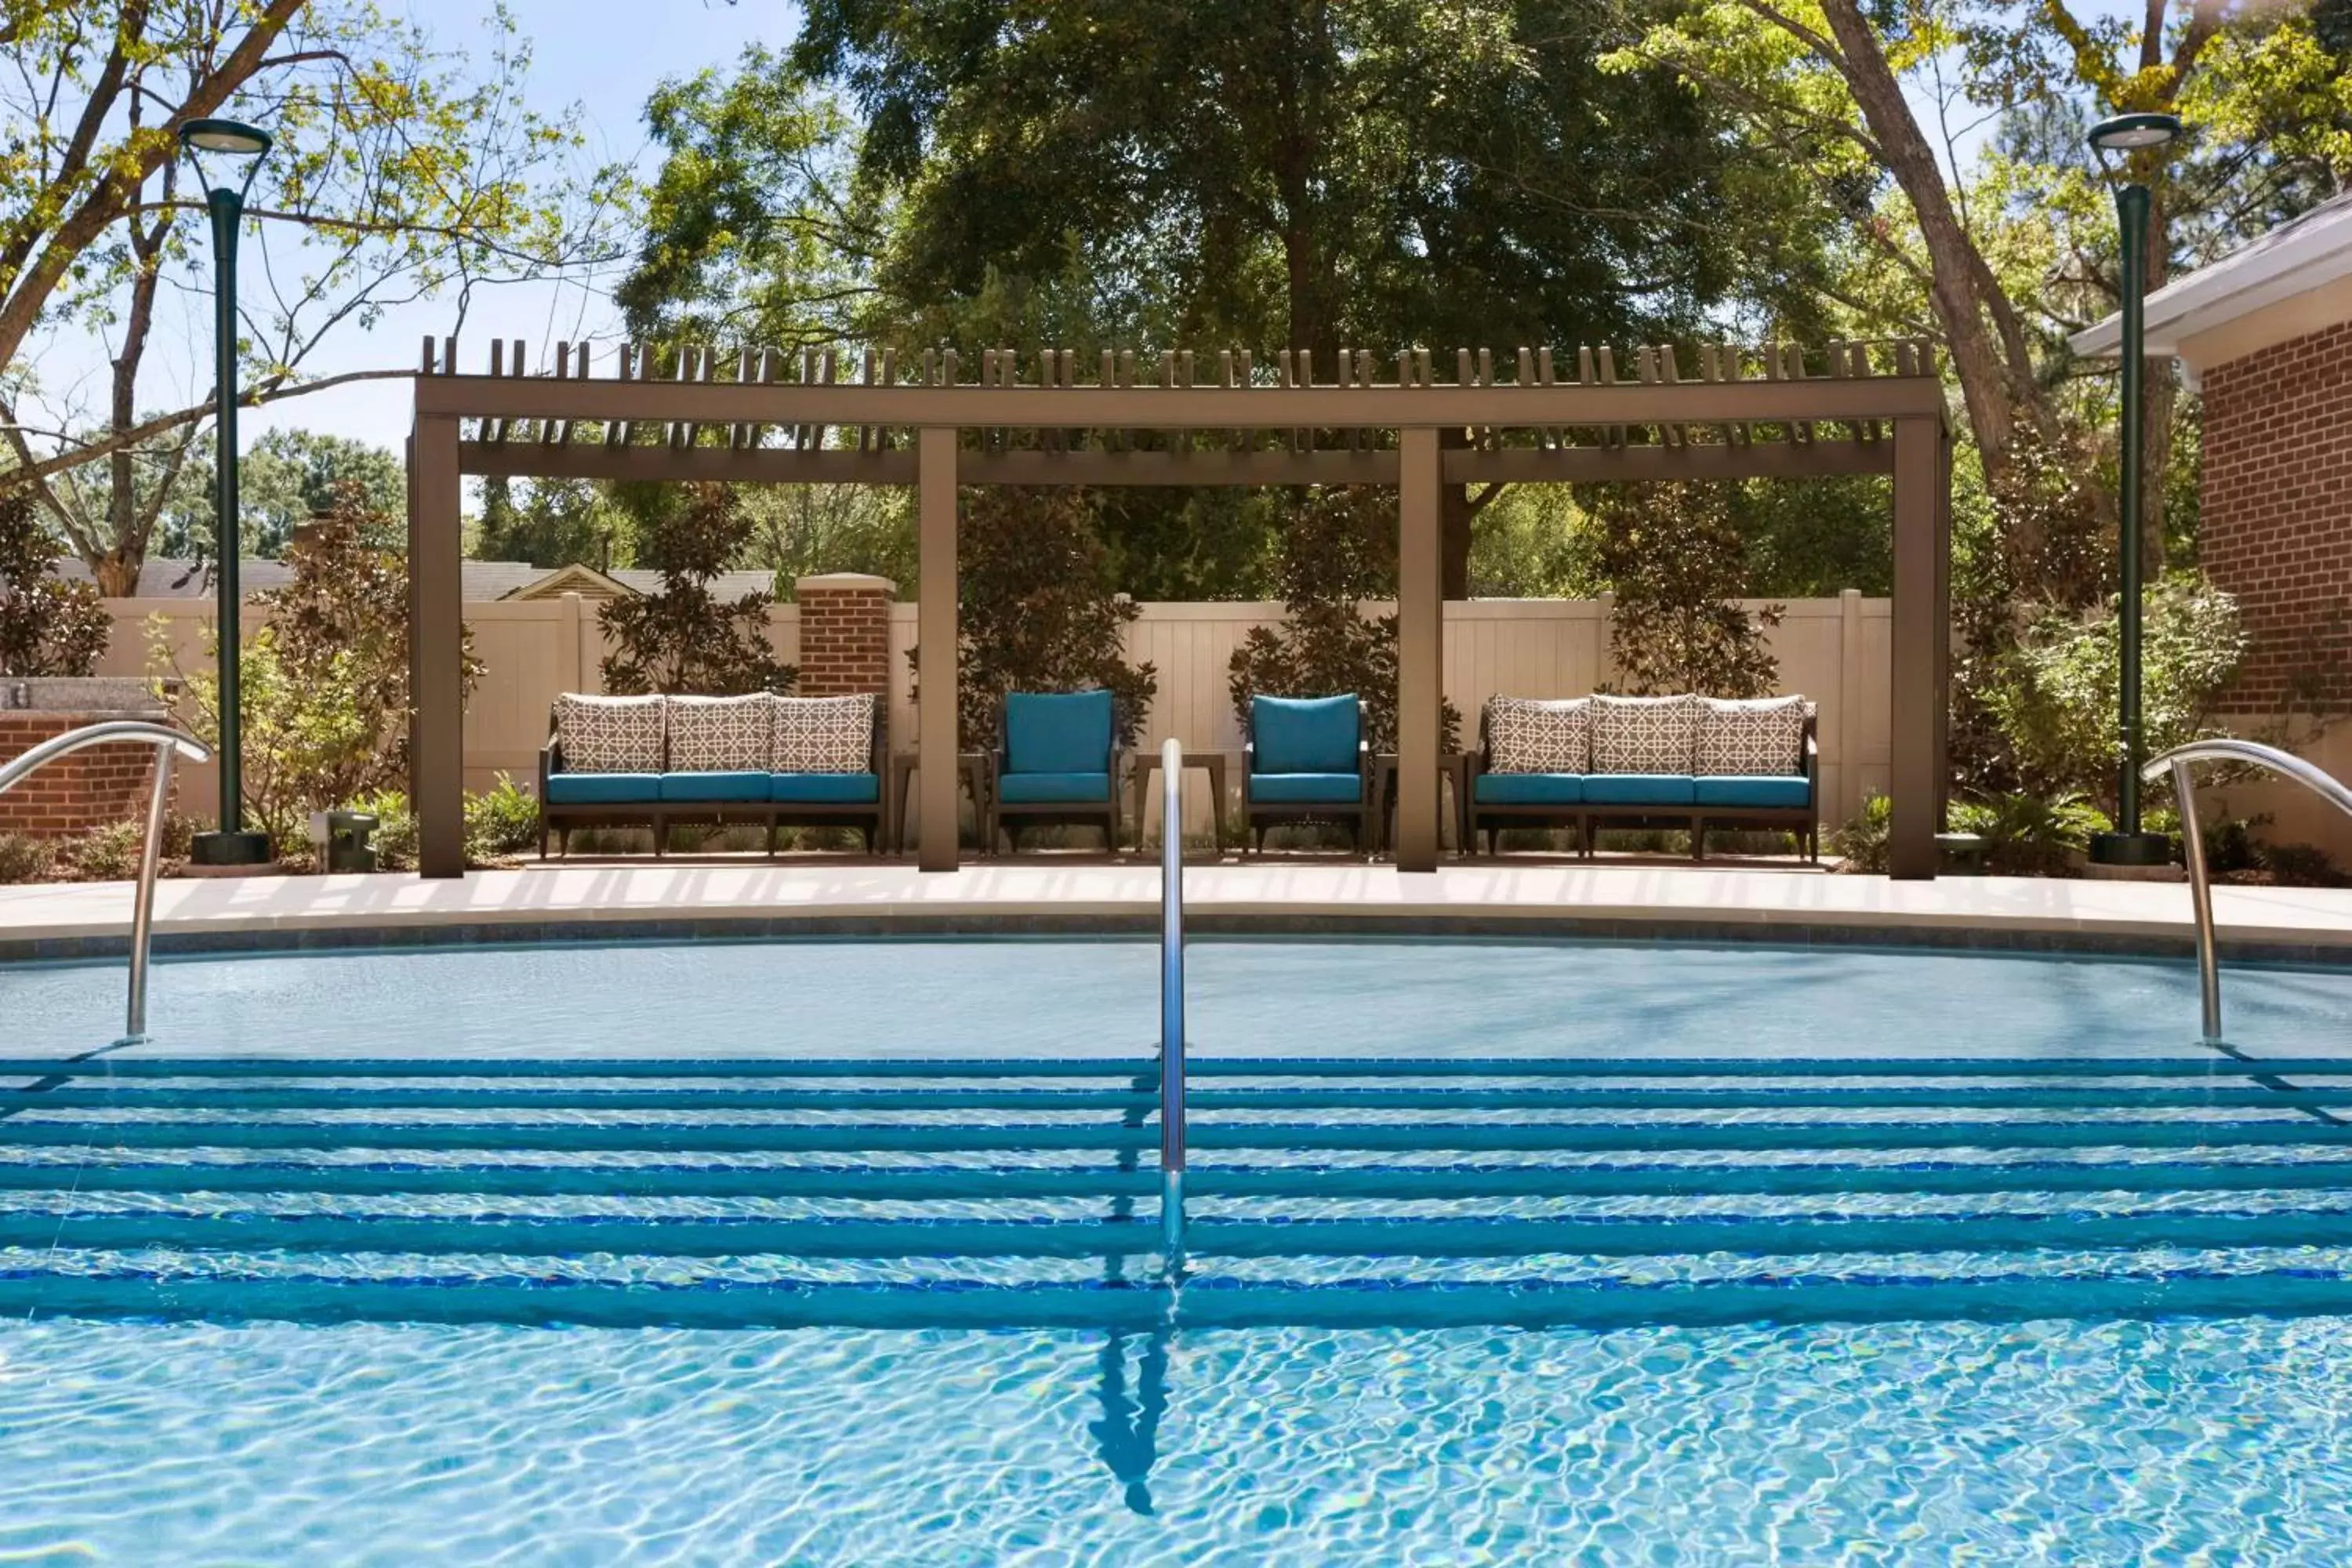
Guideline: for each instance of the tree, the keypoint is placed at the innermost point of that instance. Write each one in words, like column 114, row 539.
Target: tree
column 1673, row 555
column 556, row 522
column 48, row 626
column 395, row 175
column 685, row 638
column 1304, row 175
column 285, row 478
column 2000, row 261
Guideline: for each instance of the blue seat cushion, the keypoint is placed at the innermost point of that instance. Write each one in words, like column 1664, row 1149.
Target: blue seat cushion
column 1758, row 791
column 604, row 789
column 1529, row 789
column 1640, row 789
column 1057, row 732
column 1039, row 789
column 1306, row 734
column 713, row 787
column 1308, row 789
column 823, row 789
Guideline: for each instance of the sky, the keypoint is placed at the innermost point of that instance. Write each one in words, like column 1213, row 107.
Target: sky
column 603, row 56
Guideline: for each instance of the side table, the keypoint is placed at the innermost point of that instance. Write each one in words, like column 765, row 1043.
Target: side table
column 1147, row 762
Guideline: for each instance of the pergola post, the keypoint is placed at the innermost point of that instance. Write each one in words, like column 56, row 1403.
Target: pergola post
column 936, row 634
column 436, row 635
column 1921, row 611
column 1421, row 611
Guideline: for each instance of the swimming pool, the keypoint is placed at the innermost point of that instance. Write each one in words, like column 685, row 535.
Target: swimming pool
column 1718, row 1253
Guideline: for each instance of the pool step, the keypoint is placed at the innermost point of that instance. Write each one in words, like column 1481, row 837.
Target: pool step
column 720, row 1191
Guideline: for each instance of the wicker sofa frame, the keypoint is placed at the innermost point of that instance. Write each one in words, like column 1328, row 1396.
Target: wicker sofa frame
column 1491, row 817
column 868, row 817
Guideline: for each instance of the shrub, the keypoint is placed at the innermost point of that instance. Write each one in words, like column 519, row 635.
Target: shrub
column 683, row 638
column 1340, row 550
column 394, row 837
column 1862, row 843
column 24, row 859
column 1672, row 555
column 2027, row 834
column 1037, row 613
column 2054, row 695
column 109, row 854
column 47, row 626
column 325, row 704
column 503, row 820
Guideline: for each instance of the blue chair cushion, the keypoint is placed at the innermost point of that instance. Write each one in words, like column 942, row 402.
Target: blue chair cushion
column 1529, row 789
column 1038, row 789
column 712, row 787
column 1640, row 789
column 604, row 789
column 1306, row 734
column 1308, row 789
column 823, row 789
column 1757, row 791
column 1057, row 732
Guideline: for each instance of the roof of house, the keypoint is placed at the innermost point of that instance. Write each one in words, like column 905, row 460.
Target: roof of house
column 165, row 578
column 2298, row 258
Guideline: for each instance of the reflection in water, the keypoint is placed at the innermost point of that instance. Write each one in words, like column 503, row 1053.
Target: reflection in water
column 1129, row 1432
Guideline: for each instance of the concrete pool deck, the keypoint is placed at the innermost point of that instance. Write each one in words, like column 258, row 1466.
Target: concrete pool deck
column 688, row 899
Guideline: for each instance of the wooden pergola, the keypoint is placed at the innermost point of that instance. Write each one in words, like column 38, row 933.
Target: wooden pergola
column 764, row 418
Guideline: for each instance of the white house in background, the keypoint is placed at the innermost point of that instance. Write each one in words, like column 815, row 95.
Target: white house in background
column 2265, row 335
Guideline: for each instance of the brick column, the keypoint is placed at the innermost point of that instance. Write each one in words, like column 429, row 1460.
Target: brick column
column 93, row 788
column 845, row 633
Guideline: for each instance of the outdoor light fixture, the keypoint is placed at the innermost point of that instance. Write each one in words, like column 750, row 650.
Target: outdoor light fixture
column 221, row 145
column 2123, row 136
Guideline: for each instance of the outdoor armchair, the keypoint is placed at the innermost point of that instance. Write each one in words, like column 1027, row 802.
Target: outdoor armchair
column 1306, row 761
column 1058, row 759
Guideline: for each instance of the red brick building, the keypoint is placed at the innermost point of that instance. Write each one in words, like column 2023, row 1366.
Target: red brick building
column 2265, row 335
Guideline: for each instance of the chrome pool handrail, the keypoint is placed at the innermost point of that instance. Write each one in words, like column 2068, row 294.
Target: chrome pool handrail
column 166, row 741
column 2225, row 748
column 1172, row 1001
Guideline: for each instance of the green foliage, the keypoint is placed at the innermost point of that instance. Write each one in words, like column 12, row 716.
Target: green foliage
column 48, row 626
column 1533, row 542
column 108, row 854
column 395, row 838
column 1673, row 554
column 684, row 638
column 1340, row 550
column 801, row 530
column 1862, row 845
column 553, row 522
column 502, row 820
column 24, row 858
column 2055, row 695
column 2030, row 834
column 282, row 480
column 325, row 709
column 1036, row 612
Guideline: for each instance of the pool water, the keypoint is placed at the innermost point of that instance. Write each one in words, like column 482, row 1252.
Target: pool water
column 1711, row 1255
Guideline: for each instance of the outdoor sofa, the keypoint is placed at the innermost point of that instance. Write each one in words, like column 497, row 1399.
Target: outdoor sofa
column 1685, row 762
column 1058, row 759
column 652, row 762
column 1305, row 761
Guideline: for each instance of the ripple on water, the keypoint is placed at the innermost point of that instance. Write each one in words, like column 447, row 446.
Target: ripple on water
column 2050, row 1442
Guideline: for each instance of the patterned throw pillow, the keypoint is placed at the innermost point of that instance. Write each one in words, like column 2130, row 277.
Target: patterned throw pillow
column 1763, row 735
column 720, row 734
column 610, row 735
column 1524, row 736
column 823, row 735
column 1645, row 735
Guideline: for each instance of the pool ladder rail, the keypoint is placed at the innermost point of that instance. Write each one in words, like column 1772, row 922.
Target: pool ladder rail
column 1171, row 1003
column 167, row 743
column 2225, row 748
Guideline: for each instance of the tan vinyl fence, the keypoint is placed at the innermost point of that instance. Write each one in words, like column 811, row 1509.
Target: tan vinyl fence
column 1834, row 651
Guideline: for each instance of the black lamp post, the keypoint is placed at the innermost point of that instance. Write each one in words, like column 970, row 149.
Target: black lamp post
column 230, row 144
column 2123, row 136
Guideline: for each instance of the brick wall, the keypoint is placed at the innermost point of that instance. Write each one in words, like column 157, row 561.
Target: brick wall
column 2276, row 529
column 90, row 788
column 845, row 633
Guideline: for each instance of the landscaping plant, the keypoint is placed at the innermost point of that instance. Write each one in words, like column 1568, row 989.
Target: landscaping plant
column 1674, row 556
column 684, row 637
column 47, row 626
